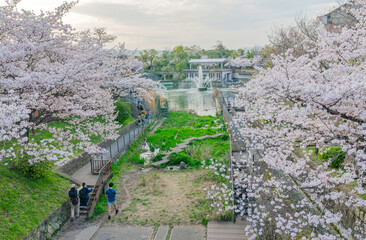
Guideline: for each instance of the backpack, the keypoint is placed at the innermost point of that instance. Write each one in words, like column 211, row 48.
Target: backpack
column 73, row 194
column 82, row 193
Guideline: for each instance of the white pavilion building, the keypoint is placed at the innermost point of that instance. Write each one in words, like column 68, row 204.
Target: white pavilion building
column 212, row 68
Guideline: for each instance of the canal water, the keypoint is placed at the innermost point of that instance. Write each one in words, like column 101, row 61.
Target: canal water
column 193, row 100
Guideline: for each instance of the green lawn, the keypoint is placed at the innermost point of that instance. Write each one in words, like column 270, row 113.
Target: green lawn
column 187, row 120
column 25, row 203
column 183, row 125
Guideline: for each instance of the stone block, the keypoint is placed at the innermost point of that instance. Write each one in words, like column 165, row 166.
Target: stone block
column 51, row 224
column 187, row 232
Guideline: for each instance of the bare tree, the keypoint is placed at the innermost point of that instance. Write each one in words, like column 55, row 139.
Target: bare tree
column 296, row 37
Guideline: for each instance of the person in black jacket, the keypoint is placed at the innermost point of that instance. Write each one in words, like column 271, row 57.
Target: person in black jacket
column 84, row 196
column 74, row 202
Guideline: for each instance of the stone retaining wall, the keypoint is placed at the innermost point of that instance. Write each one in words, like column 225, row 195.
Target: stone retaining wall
column 72, row 166
column 45, row 230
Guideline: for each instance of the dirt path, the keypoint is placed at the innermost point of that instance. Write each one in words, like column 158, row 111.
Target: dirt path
column 129, row 182
column 165, row 197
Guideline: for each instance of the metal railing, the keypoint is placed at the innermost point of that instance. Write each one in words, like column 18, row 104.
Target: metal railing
column 105, row 174
column 117, row 146
column 232, row 100
column 238, row 136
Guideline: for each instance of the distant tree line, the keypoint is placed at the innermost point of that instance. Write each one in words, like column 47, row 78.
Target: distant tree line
column 178, row 59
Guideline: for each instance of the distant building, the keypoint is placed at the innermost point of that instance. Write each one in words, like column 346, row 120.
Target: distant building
column 214, row 69
column 339, row 17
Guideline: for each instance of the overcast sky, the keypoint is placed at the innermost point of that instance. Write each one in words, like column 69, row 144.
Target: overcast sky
column 163, row 24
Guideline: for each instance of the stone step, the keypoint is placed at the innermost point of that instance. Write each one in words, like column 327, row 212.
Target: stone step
column 146, row 170
column 162, row 232
column 188, row 232
column 160, row 162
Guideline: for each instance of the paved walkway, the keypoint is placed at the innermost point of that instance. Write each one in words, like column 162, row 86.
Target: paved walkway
column 84, row 230
column 84, row 175
column 182, row 146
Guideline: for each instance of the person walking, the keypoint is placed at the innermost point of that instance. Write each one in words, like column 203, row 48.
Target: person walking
column 74, row 202
column 84, row 196
column 111, row 200
column 228, row 106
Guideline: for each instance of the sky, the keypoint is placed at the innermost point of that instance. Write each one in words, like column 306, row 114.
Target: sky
column 163, row 24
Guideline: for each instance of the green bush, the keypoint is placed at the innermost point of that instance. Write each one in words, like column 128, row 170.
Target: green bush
column 177, row 158
column 33, row 170
column 135, row 158
column 335, row 154
column 195, row 163
column 124, row 111
column 158, row 157
column 152, row 148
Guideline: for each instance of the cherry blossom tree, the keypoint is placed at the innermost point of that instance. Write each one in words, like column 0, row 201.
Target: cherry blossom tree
column 316, row 99
column 244, row 62
column 49, row 72
column 127, row 73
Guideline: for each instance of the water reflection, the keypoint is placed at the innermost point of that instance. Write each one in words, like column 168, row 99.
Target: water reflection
column 192, row 99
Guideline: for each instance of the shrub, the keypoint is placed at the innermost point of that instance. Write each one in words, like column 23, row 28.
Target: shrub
column 158, row 157
column 225, row 137
column 124, row 111
column 335, row 154
column 135, row 158
column 195, row 162
column 177, row 158
column 34, row 170
column 152, row 148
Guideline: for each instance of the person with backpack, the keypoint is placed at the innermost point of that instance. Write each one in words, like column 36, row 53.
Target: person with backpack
column 74, row 202
column 111, row 199
column 84, row 196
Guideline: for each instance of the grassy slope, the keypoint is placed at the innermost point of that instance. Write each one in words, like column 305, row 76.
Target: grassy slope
column 25, row 203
